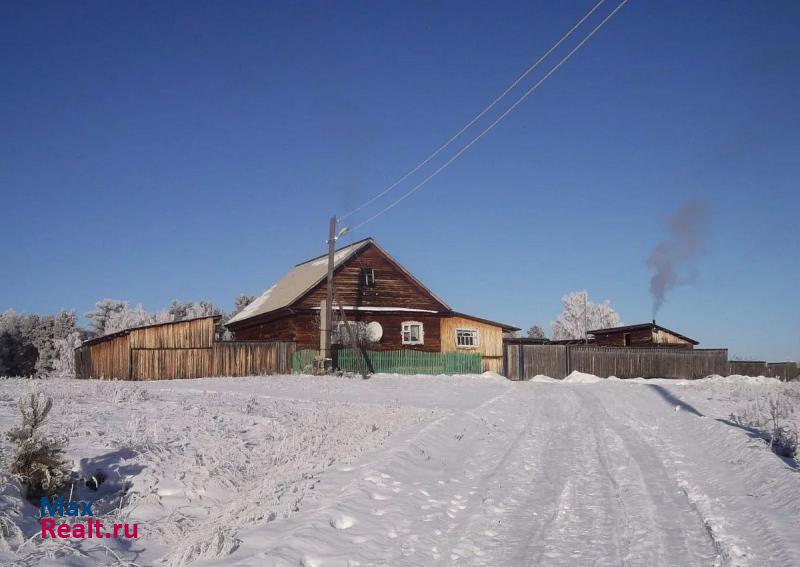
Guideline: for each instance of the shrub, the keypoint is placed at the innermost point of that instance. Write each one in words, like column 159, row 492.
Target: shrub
column 38, row 459
column 772, row 415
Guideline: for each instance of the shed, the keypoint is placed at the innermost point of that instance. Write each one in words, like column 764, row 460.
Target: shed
column 642, row 335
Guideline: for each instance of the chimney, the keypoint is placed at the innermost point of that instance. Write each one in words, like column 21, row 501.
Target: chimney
column 654, row 321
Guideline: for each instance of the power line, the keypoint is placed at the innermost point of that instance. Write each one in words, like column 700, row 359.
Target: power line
column 496, row 122
column 477, row 116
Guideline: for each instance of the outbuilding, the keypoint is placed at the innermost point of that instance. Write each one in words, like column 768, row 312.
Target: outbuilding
column 642, row 335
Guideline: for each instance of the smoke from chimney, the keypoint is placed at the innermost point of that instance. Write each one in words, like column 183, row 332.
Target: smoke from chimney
column 674, row 259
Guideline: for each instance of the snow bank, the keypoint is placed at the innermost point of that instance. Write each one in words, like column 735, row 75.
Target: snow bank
column 739, row 379
column 582, row 378
column 543, row 378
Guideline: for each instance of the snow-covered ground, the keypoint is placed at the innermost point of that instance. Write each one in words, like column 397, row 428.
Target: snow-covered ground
column 420, row 470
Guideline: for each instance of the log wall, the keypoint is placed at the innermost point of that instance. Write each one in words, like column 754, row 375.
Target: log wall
column 393, row 286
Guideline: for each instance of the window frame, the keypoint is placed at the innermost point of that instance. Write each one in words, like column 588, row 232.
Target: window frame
column 368, row 277
column 409, row 324
column 476, row 337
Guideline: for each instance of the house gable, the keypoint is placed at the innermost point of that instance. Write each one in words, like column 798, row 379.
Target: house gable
column 393, row 286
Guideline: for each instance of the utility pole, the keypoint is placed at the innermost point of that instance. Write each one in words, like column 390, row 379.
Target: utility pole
column 326, row 311
column 325, row 360
column 585, row 322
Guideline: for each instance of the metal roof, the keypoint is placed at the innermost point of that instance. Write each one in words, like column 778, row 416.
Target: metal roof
column 296, row 283
column 305, row 276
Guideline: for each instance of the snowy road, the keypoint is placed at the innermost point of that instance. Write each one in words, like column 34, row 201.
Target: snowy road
column 420, row 471
column 551, row 474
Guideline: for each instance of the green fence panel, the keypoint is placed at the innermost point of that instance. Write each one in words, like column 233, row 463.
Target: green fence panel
column 303, row 360
column 412, row 362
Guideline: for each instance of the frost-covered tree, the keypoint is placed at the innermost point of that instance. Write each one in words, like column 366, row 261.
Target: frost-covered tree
column 242, row 300
column 128, row 318
column 38, row 458
column 29, row 343
column 64, row 362
column 580, row 315
column 50, row 331
column 191, row 310
column 536, row 332
column 104, row 310
column 18, row 355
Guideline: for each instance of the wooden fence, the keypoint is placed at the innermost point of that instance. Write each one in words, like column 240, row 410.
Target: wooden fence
column 786, row 371
column 648, row 362
column 524, row 361
column 235, row 358
column 748, row 367
column 182, row 349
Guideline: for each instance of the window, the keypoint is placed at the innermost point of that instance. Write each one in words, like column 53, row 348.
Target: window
column 413, row 333
column 368, row 277
column 466, row 338
column 627, row 339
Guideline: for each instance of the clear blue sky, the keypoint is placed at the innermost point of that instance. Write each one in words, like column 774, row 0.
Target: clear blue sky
column 194, row 150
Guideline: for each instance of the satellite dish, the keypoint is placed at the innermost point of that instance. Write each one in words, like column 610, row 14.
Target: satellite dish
column 374, row 332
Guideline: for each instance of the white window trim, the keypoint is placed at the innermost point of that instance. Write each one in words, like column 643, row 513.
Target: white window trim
column 477, row 338
column 403, row 326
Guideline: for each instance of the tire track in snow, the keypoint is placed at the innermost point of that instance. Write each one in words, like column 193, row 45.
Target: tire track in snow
column 662, row 527
column 697, row 452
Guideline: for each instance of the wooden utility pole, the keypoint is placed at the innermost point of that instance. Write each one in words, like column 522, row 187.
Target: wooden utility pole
column 585, row 320
column 326, row 317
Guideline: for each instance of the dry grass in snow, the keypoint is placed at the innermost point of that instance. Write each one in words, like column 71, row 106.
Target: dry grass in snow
column 191, row 468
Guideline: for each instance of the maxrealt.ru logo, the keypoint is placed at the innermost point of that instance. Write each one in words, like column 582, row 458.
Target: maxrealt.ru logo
column 89, row 527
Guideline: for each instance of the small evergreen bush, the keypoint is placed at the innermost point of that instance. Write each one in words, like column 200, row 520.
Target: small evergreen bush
column 38, row 458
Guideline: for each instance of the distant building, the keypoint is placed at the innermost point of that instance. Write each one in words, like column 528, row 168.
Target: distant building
column 643, row 335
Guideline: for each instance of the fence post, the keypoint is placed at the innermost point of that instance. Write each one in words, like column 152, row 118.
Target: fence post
column 521, row 362
column 568, row 359
column 505, row 360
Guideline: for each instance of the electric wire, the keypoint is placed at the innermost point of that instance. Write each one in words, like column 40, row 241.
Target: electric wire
column 496, row 121
column 478, row 116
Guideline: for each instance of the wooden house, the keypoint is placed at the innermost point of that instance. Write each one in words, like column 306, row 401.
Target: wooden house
column 642, row 335
column 373, row 289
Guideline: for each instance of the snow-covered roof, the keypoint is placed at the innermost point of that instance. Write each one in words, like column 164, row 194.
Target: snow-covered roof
column 296, row 283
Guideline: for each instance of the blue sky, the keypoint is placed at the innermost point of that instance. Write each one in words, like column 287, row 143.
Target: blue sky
column 191, row 150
